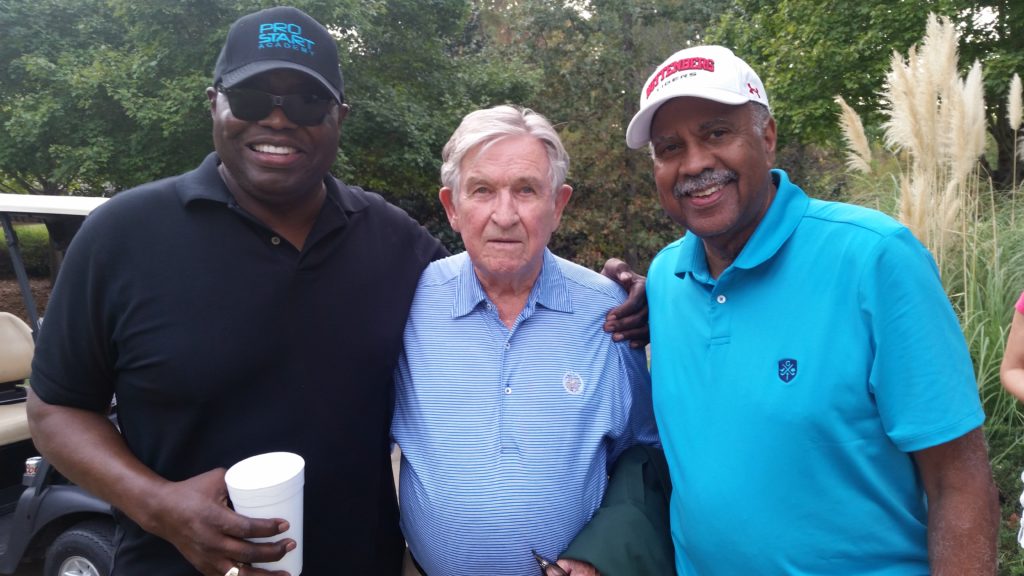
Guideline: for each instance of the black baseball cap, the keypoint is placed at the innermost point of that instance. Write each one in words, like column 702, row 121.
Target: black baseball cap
column 281, row 37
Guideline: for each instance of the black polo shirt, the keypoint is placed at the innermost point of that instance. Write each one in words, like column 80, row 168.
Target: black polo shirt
column 221, row 341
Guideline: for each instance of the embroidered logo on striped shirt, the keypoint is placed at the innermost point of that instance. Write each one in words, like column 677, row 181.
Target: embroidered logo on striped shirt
column 572, row 382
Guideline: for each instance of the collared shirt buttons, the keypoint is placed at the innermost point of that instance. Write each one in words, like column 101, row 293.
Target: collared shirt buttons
column 275, row 240
column 721, row 299
column 508, row 345
column 508, row 391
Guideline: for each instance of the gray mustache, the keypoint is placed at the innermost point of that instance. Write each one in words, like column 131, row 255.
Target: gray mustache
column 705, row 179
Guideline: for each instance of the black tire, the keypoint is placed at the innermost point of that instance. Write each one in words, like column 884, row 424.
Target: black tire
column 85, row 549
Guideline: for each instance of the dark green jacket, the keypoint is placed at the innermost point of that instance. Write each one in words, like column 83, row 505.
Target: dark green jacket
column 629, row 534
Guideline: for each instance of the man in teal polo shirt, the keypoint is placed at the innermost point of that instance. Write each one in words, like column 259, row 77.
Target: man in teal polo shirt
column 813, row 390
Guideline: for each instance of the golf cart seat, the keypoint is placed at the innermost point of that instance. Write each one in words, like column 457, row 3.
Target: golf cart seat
column 16, row 349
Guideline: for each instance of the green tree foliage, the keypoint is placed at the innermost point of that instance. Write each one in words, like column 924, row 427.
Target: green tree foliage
column 992, row 34
column 808, row 51
column 592, row 58
column 100, row 95
column 413, row 68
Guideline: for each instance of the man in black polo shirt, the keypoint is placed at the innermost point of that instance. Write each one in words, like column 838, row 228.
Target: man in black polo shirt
column 254, row 304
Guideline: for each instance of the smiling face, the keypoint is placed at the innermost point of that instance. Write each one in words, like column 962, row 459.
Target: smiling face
column 505, row 210
column 711, row 169
column 273, row 162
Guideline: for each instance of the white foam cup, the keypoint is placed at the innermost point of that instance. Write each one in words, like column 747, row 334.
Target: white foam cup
column 270, row 486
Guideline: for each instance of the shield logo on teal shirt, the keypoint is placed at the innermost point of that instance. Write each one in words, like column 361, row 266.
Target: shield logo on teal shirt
column 787, row 370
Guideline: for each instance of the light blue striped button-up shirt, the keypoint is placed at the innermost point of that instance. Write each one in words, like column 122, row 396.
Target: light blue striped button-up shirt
column 507, row 435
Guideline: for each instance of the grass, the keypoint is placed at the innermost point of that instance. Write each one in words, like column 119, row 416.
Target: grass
column 991, row 283
column 35, row 252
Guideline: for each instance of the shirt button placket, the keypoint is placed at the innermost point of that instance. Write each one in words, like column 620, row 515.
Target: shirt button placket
column 507, row 442
column 719, row 314
column 505, row 376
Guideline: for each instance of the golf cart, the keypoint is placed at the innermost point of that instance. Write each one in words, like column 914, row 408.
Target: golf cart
column 43, row 516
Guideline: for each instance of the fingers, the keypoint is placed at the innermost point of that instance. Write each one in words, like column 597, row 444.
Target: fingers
column 615, row 269
column 266, row 551
column 629, row 320
column 247, row 570
column 625, row 317
column 632, row 327
column 240, row 569
column 638, row 337
column 222, row 553
column 636, row 298
column 193, row 515
column 576, row 568
column 556, row 569
column 234, row 543
column 245, row 527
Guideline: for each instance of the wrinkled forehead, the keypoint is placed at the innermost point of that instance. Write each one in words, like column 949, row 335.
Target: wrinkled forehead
column 513, row 147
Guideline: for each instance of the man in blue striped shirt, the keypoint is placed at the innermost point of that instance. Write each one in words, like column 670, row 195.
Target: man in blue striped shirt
column 512, row 402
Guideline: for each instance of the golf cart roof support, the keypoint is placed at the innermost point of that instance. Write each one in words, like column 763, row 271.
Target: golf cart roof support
column 47, row 209
column 19, row 272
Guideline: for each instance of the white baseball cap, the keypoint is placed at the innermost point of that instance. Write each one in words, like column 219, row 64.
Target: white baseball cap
column 709, row 72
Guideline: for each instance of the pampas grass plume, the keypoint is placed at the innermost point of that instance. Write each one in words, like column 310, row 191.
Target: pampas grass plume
column 858, row 157
column 1014, row 104
column 974, row 111
column 900, row 128
column 938, row 121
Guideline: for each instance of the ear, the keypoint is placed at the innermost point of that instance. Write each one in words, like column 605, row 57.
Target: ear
column 770, row 139
column 562, row 195
column 447, row 196
column 211, row 95
column 343, row 110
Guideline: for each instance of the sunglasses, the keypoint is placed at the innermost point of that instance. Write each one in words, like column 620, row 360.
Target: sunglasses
column 255, row 105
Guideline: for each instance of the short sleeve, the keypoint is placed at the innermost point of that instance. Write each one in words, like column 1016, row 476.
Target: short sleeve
column 922, row 376
column 73, row 363
column 636, row 399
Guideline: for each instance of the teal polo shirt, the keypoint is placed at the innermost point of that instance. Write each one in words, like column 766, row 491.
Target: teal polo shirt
column 790, row 392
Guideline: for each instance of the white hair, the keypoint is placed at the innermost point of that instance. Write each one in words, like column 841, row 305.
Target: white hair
column 485, row 127
column 759, row 117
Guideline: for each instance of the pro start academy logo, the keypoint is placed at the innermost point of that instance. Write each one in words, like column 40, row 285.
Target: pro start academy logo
column 284, row 35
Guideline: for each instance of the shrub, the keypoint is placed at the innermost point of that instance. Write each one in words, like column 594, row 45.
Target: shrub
column 35, row 251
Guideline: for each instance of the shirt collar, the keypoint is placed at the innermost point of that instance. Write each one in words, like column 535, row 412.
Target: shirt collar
column 549, row 290
column 204, row 183
column 779, row 222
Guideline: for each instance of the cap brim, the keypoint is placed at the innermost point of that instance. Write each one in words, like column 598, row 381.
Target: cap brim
column 249, row 70
column 638, row 133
